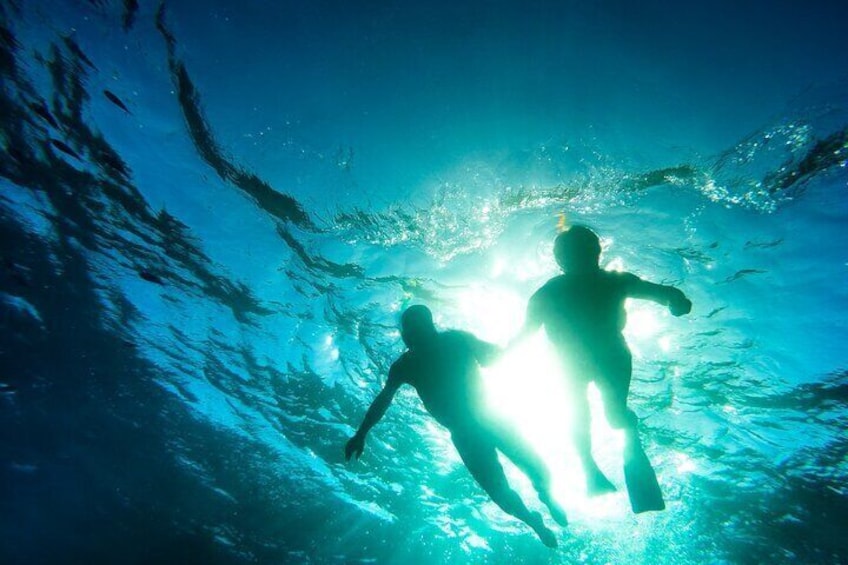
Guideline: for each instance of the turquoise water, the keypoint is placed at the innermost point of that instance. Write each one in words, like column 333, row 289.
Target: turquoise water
column 212, row 214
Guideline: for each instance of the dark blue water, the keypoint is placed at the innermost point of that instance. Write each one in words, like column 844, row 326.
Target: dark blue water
column 211, row 214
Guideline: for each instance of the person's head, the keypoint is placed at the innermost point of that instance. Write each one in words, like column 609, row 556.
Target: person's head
column 577, row 249
column 416, row 326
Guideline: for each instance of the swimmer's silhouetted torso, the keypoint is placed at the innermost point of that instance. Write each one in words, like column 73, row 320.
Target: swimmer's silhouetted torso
column 446, row 377
column 584, row 315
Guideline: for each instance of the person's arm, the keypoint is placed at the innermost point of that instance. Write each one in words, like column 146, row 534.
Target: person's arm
column 375, row 413
column 484, row 352
column 669, row 296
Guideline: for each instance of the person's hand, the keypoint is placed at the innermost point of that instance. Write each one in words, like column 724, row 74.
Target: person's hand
column 680, row 306
column 354, row 446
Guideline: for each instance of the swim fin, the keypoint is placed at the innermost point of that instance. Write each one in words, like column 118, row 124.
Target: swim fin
column 642, row 486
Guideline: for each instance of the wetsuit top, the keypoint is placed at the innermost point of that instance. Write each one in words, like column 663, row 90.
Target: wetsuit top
column 584, row 316
column 446, row 376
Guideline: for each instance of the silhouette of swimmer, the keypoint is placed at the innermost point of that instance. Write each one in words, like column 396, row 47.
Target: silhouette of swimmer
column 583, row 314
column 443, row 367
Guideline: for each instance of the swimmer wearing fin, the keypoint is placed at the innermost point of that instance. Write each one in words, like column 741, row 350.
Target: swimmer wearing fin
column 582, row 311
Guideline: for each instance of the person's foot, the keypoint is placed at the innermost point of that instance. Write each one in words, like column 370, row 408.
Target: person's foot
column 597, row 484
column 545, row 534
column 557, row 511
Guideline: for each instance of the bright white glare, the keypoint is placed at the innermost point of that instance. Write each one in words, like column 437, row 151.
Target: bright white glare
column 642, row 322
column 526, row 388
column 498, row 267
column 492, row 314
column 646, row 327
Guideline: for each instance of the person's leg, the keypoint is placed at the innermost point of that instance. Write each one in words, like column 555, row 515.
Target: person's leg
column 614, row 385
column 513, row 446
column 478, row 453
column 581, row 421
column 642, row 485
